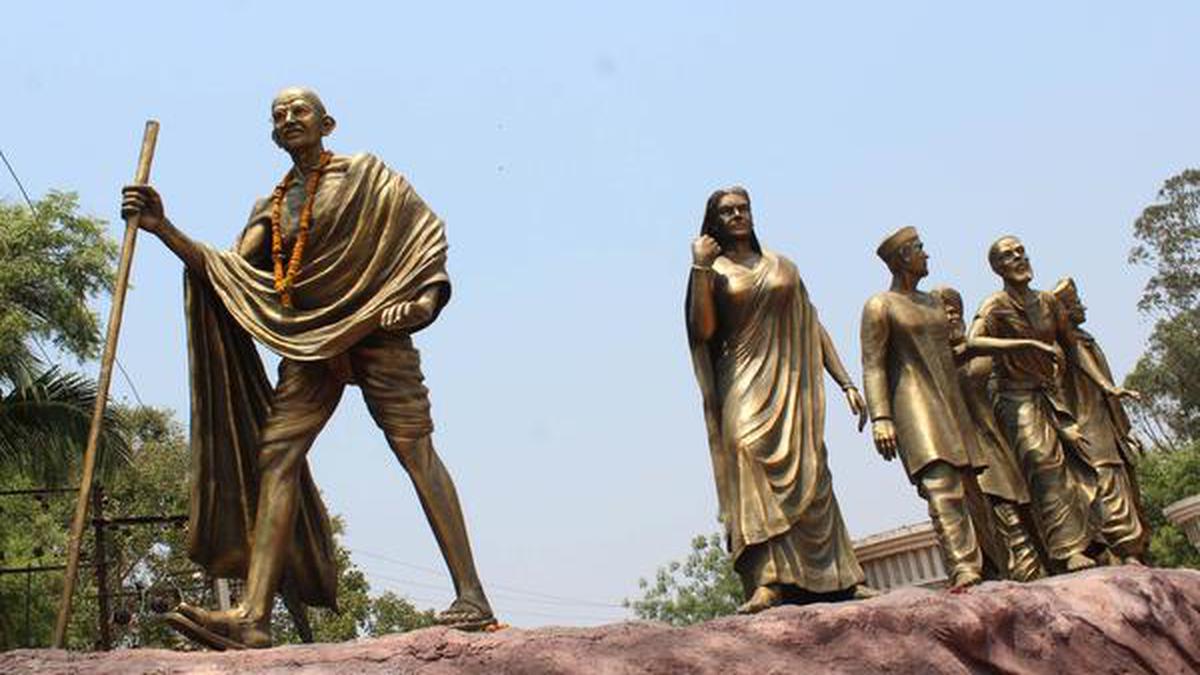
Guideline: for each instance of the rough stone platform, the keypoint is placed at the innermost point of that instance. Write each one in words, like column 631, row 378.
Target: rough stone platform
column 1113, row 620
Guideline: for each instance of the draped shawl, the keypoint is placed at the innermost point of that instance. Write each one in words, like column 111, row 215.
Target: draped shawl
column 761, row 383
column 1101, row 418
column 373, row 243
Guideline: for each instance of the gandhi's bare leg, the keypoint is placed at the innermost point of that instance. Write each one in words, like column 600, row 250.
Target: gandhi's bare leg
column 388, row 369
column 304, row 398
column 439, row 499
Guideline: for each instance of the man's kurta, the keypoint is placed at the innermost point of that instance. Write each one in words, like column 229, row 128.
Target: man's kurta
column 909, row 377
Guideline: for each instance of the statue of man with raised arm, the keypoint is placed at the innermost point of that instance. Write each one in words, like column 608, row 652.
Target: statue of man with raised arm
column 335, row 270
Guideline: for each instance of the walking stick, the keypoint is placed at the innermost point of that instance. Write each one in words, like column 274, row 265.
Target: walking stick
column 149, row 138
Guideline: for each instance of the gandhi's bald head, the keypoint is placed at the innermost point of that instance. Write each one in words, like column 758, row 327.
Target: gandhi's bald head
column 289, row 94
column 299, row 120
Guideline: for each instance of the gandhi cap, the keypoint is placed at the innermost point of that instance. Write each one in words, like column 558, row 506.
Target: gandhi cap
column 895, row 241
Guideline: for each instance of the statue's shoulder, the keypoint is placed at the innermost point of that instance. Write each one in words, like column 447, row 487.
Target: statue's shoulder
column 343, row 163
column 365, row 164
column 775, row 260
column 878, row 304
column 260, row 211
column 356, row 163
column 991, row 303
column 779, row 259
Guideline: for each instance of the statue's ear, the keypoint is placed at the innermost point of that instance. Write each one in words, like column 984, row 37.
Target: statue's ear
column 327, row 125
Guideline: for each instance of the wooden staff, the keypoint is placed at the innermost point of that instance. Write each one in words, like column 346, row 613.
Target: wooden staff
column 149, row 138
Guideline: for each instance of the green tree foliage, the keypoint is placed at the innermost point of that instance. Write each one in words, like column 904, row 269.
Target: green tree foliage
column 33, row 532
column 1164, row 478
column 702, row 587
column 391, row 613
column 53, row 262
column 147, row 565
column 1168, row 242
column 44, row 422
column 149, row 569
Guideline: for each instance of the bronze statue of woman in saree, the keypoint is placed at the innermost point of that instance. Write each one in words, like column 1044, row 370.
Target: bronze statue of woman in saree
column 759, row 352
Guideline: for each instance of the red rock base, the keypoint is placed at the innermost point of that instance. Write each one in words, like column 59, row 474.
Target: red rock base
column 1112, row 620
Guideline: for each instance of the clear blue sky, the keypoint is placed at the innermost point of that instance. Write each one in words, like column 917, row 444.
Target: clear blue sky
column 570, row 147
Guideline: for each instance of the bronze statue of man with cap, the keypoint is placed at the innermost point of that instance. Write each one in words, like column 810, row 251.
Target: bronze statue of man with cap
column 1111, row 449
column 1026, row 332
column 334, row 271
column 917, row 410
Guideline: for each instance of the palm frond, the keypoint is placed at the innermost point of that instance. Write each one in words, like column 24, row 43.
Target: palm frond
column 18, row 366
column 44, row 425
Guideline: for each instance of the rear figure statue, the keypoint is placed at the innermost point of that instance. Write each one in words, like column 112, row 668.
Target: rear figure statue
column 1112, row 448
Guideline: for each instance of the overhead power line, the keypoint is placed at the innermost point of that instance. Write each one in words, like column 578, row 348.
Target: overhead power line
column 12, row 172
column 502, row 606
column 512, row 589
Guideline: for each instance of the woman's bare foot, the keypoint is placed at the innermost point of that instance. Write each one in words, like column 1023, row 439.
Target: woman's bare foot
column 764, row 597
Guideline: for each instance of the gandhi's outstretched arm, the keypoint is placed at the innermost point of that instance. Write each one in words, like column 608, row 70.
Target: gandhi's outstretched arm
column 182, row 246
column 144, row 201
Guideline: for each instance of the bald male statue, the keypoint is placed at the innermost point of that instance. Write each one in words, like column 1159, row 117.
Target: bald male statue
column 1026, row 332
column 334, row 271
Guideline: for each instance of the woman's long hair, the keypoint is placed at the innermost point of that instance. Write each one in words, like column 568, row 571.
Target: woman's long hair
column 712, row 225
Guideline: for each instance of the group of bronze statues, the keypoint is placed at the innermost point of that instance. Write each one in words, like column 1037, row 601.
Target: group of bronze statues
column 1021, row 455
column 1011, row 430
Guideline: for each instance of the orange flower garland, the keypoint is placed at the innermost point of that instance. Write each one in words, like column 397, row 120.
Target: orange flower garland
column 284, row 282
